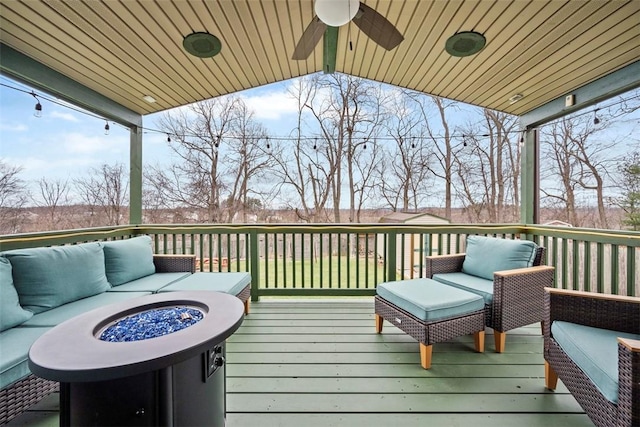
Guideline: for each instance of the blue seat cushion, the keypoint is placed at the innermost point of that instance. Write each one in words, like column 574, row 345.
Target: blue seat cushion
column 11, row 313
column 129, row 259
column 46, row 278
column 230, row 283
column 486, row 255
column 594, row 351
column 429, row 300
column 150, row 283
column 16, row 343
column 75, row 308
column 467, row 282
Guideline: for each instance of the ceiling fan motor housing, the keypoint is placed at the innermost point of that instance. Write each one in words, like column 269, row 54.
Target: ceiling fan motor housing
column 336, row 13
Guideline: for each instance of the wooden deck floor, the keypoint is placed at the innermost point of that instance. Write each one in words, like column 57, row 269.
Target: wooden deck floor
column 320, row 363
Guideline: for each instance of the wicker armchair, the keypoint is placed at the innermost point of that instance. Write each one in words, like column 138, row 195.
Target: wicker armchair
column 613, row 313
column 517, row 294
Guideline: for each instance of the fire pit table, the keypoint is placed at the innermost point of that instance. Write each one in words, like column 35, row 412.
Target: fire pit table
column 156, row 360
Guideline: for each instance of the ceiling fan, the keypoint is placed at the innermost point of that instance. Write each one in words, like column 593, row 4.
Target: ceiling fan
column 331, row 14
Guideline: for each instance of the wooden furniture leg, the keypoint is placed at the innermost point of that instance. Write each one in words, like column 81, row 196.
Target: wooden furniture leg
column 246, row 307
column 379, row 321
column 500, row 339
column 550, row 376
column 478, row 339
column 425, row 355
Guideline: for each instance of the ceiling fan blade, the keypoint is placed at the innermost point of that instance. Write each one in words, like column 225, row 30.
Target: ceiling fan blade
column 310, row 38
column 377, row 27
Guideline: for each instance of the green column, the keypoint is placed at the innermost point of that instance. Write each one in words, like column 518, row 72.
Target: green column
column 530, row 178
column 135, row 175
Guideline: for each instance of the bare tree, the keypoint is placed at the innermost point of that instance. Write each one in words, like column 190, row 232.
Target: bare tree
column 443, row 143
column 487, row 168
column 575, row 166
column 13, row 198
column 104, row 191
column 53, row 193
column 404, row 177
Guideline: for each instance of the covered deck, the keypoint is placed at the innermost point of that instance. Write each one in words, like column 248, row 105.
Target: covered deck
column 319, row 362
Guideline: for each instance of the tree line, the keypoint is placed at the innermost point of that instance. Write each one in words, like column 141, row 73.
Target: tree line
column 355, row 144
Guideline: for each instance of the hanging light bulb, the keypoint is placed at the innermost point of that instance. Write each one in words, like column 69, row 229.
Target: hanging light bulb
column 464, row 140
column 268, row 145
column 38, row 108
column 315, row 144
column 596, row 120
column 168, row 138
column 336, row 13
column 106, row 128
column 38, row 111
column 413, row 142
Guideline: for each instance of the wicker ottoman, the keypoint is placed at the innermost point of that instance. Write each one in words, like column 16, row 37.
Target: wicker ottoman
column 234, row 283
column 430, row 312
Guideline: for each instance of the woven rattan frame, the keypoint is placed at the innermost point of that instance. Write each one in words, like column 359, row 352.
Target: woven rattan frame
column 429, row 332
column 517, row 294
column 19, row 396
column 175, row 263
column 245, row 294
column 600, row 312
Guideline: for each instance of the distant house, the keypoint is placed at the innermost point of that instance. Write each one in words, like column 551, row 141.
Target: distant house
column 415, row 245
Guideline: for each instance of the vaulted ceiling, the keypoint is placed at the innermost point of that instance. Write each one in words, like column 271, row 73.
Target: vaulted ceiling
column 126, row 49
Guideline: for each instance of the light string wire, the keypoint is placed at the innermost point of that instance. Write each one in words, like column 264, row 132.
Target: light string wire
column 463, row 136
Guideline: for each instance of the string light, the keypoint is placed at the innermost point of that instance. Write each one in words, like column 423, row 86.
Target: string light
column 38, row 108
column 268, row 145
column 464, row 140
column 106, row 128
column 38, row 113
column 315, row 144
column 168, row 138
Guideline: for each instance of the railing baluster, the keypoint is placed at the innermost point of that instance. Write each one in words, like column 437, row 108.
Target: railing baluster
column 615, row 274
column 631, row 271
column 586, row 266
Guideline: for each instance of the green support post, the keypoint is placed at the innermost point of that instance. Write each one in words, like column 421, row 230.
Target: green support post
column 135, row 175
column 254, row 270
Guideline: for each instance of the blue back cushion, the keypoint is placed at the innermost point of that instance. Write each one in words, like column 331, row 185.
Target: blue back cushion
column 129, row 259
column 11, row 313
column 485, row 255
column 50, row 277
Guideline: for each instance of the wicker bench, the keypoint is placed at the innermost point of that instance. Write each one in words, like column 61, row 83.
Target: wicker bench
column 430, row 312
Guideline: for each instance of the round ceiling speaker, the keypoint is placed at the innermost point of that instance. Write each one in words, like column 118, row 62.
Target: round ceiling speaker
column 465, row 43
column 202, row 45
column 336, row 13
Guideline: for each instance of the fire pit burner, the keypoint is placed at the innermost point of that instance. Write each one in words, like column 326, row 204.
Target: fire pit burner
column 151, row 324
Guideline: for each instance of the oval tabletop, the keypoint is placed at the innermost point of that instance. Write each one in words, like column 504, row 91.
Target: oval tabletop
column 72, row 351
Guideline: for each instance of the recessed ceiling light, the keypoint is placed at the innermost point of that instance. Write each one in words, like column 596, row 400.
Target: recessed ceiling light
column 515, row 98
column 465, row 43
column 202, row 45
column 150, row 99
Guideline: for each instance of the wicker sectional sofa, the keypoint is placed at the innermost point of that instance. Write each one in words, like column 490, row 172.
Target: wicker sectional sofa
column 42, row 287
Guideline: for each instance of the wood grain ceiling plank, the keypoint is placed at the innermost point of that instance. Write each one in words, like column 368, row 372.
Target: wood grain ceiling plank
column 409, row 16
column 505, row 27
column 104, row 46
column 570, row 58
column 61, row 58
column 164, row 30
column 262, row 20
column 420, row 39
column 613, row 54
column 553, row 43
column 219, row 76
column 480, row 20
column 438, row 58
column 238, row 54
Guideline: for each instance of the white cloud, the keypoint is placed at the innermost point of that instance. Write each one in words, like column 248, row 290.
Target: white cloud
column 64, row 116
column 13, row 127
column 271, row 105
column 78, row 143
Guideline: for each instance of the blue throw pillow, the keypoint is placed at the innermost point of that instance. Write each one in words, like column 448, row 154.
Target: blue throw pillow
column 46, row 278
column 129, row 259
column 486, row 255
column 11, row 313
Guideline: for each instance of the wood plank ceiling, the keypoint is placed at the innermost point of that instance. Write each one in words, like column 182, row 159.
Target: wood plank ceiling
column 126, row 49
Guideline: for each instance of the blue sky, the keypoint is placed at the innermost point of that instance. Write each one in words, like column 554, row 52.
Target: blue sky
column 65, row 144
